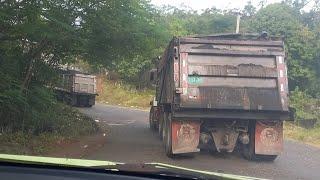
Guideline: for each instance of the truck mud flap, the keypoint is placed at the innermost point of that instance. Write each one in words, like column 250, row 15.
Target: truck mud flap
column 269, row 137
column 185, row 136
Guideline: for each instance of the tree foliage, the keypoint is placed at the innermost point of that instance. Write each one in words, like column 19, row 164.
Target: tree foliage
column 39, row 36
column 302, row 41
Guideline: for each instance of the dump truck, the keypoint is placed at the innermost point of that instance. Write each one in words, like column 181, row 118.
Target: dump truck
column 76, row 88
column 222, row 92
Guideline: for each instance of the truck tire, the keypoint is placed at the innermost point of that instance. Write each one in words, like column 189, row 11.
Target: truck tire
column 248, row 150
column 168, row 135
column 73, row 100
column 88, row 104
column 91, row 100
column 164, row 126
column 160, row 130
column 160, row 126
column 152, row 124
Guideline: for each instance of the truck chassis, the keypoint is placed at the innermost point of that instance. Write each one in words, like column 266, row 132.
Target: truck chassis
column 76, row 99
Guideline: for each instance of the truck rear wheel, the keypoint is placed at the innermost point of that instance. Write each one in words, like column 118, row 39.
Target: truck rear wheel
column 87, row 103
column 73, row 100
column 248, row 150
column 168, row 135
column 152, row 124
column 164, row 126
column 91, row 100
column 160, row 125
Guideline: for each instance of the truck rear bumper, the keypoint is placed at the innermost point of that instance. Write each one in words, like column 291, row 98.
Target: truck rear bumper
column 200, row 114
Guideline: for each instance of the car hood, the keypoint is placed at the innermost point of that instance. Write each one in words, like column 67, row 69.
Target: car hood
column 153, row 167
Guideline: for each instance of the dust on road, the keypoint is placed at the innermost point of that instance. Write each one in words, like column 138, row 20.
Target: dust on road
column 129, row 140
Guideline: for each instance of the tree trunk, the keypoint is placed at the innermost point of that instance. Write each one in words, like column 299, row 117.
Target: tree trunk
column 32, row 57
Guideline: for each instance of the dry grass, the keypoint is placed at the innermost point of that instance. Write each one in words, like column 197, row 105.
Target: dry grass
column 308, row 136
column 115, row 93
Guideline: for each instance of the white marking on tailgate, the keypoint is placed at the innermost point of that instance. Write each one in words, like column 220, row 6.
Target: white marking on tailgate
column 280, row 59
column 281, row 73
column 281, row 87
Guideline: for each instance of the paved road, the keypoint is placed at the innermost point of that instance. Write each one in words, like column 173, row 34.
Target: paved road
column 130, row 140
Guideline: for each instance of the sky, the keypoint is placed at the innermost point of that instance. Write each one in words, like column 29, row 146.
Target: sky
column 220, row 4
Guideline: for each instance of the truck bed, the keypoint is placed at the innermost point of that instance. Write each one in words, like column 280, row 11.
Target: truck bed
column 223, row 77
column 77, row 83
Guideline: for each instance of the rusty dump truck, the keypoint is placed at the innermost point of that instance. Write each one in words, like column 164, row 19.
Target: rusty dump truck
column 222, row 92
column 76, row 88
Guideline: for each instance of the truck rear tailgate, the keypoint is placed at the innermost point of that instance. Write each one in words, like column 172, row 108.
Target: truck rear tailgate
column 239, row 79
column 84, row 84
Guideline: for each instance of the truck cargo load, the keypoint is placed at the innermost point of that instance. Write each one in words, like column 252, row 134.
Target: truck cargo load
column 222, row 91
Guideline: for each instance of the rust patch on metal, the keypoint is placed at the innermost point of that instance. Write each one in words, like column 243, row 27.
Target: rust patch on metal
column 243, row 70
column 239, row 98
column 185, row 136
column 268, row 137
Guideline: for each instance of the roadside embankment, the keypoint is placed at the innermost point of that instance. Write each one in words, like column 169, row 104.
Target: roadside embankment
column 120, row 94
column 69, row 127
column 308, row 136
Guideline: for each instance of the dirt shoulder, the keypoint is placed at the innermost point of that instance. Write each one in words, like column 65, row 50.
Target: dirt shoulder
column 78, row 148
column 81, row 146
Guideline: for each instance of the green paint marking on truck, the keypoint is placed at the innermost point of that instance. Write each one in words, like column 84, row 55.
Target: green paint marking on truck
column 195, row 80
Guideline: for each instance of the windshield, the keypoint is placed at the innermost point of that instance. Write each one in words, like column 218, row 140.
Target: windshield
column 217, row 86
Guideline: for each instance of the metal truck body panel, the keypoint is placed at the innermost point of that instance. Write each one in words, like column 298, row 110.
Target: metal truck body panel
column 85, row 84
column 79, row 83
column 222, row 74
column 235, row 75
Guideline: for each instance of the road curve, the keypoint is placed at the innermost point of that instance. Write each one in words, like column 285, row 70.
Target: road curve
column 130, row 140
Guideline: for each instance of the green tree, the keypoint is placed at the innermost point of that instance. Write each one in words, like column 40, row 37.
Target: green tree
column 39, row 36
column 283, row 19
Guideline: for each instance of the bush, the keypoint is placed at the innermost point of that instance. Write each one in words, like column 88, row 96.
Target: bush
column 307, row 108
column 37, row 111
column 33, row 121
column 117, row 93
